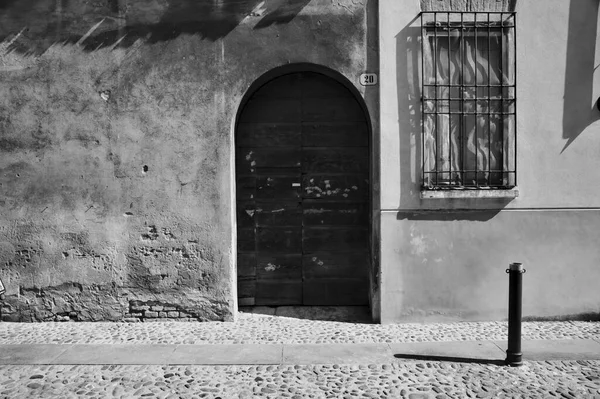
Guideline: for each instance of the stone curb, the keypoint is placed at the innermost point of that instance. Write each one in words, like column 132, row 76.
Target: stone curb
column 492, row 352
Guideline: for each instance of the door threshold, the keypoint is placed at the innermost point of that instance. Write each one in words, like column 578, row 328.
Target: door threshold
column 345, row 314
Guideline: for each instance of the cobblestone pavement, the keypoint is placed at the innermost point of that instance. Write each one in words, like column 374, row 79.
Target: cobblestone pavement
column 406, row 379
column 261, row 329
column 400, row 378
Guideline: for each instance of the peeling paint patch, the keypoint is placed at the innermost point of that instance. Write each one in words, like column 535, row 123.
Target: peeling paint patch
column 317, row 261
column 271, row 267
column 418, row 243
column 151, row 235
column 316, row 211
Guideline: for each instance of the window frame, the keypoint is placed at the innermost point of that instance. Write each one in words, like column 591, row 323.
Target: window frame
column 470, row 24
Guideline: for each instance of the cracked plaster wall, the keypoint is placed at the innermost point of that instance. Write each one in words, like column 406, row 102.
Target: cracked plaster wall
column 115, row 154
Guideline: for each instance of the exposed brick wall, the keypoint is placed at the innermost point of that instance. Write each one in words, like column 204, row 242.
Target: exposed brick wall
column 153, row 311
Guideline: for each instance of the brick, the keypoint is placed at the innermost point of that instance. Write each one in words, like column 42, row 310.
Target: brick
column 150, row 314
column 162, row 314
column 131, row 319
column 157, row 308
column 169, row 308
column 173, row 314
column 140, row 308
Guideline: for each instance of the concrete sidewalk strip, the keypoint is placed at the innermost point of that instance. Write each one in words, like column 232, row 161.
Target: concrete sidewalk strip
column 226, row 354
column 296, row 354
column 18, row 354
column 115, row 354
column 336, row 354
column 478, row 350
column 564, row 349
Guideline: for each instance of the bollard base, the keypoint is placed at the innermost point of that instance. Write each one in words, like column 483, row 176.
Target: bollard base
column 514, row 359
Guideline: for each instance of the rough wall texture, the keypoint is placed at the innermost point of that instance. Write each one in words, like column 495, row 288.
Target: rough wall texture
column 115, row 146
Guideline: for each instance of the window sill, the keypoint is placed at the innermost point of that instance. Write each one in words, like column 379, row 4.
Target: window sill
column 481, row 193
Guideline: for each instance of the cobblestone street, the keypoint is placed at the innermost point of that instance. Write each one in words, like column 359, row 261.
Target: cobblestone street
column 406, row 379
column 253, row 328
column 361, row 370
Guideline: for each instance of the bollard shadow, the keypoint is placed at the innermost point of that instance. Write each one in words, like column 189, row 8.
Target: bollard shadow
column 453, row 359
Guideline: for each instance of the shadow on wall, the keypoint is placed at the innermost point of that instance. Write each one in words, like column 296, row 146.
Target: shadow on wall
column 37, row 24
column 408, row 82
column 579, row 107
column 481, row 215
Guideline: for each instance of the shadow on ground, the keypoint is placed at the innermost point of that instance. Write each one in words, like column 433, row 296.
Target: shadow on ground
column 345, row 314
column 453, row 359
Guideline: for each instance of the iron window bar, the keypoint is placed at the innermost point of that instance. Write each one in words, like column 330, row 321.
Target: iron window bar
column 479, row 112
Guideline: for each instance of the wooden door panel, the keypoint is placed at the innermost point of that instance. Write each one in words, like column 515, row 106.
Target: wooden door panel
column 331, row 110
column 278, row 293
column 335, row 160
column 279, row 239
column 245, row 188
column 246, row 265
column 341, row 187
column 245, row 214
column 278, row 213
column 269, row 110
column 251, row 159
column 334, row 239
column 268, row 135
column 302, row 166
column 335, row 292
column 335, row 134
column 246, row 239
column 279, row 267
column 335, row 265
column 278, row 187
column 246, row 287
column 286, row 86
column 321, row 213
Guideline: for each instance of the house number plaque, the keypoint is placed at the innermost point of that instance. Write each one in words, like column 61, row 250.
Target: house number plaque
column 368, row 79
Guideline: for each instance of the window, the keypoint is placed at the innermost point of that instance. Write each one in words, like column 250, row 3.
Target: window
column 468, row 100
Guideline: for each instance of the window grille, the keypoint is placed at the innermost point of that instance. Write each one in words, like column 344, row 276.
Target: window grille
column 468, row 62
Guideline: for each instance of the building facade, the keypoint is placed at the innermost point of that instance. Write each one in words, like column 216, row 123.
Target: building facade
column 178, row 160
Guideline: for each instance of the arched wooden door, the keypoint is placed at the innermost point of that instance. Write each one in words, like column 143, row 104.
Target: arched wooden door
column 302, row 167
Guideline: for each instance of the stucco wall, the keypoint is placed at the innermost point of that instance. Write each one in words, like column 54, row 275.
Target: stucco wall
column 116, row 189
column 440, row 264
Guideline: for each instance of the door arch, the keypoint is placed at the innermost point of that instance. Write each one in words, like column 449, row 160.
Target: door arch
column 302, row 142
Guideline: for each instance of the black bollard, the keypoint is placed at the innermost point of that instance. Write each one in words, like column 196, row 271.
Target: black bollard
column 515, row 296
